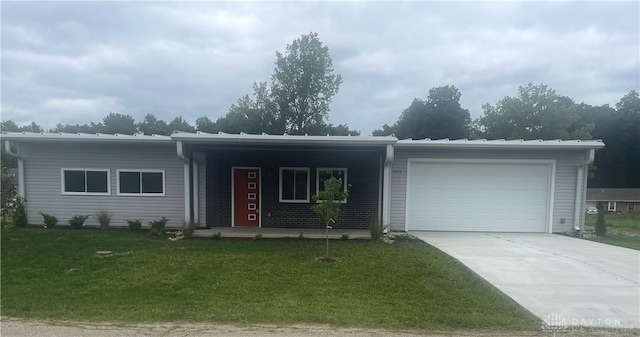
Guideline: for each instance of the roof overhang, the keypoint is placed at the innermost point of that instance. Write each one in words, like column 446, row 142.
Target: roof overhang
column 265, row 139
column 83, row 137
column 500, row 144
column 299, row 140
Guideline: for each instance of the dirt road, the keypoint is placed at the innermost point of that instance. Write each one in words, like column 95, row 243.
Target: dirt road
column 10, row 327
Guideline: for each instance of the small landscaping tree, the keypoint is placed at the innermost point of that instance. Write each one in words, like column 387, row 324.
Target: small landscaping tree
column 601, row 225
column 328, row 204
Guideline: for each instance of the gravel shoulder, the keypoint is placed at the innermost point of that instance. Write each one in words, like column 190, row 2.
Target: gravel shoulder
column 11, row 327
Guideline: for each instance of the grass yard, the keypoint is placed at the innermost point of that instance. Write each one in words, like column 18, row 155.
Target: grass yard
column 622, row 229
column 55, row 274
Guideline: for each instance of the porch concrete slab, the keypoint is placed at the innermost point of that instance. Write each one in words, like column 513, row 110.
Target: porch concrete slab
column 562, row 280
column 282, row 233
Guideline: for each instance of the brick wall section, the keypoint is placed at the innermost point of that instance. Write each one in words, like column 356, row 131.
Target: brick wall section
column 363, row 174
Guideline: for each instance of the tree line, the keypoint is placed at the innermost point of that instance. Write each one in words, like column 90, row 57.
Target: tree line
column 536, row 112
column 297, row 101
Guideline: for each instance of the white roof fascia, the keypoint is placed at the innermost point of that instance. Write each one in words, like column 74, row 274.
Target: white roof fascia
column 84, row 137
column 265, row 139
column 501, row 144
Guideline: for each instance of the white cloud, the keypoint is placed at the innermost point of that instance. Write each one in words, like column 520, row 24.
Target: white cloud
column 76, row 62
column 21, row 35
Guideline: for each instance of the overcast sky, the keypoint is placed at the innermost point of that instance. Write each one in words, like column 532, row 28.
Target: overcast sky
column 74, row 62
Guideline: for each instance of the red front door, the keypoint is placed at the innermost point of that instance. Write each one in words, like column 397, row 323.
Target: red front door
column 246, row 197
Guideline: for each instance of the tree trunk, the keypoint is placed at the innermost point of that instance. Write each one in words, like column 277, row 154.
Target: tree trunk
column 326, row 228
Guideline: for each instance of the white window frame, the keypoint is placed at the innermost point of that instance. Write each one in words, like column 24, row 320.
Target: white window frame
column 609, row 208
column 62, row 170
column 344, row 182
column 308, row 185
column 141, row 171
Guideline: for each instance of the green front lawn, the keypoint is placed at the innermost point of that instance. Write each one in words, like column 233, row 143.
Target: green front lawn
column 622, row 229
column 55, row 274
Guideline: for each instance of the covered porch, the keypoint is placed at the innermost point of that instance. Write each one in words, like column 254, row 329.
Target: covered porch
column 267, row 181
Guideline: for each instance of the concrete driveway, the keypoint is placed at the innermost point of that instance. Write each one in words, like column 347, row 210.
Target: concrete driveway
column 564, row 281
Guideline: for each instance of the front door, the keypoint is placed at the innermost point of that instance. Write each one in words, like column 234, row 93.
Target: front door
column 246, row 197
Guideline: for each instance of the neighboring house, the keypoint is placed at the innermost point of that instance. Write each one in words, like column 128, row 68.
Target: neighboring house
column 614, row 199
column 223, row 180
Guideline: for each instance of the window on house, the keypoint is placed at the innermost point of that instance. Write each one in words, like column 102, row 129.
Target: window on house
column 612, row 206
column 147, row 182
column 294, row 184
column 325, row 174
column 81, row 181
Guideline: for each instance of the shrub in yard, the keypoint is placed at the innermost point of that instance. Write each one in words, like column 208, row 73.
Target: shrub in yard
column 50, row 221
column 344, row 237
column 188, row 229
column 257, row 237
column 216, row 236
column 376, row 231
column 77, row 221
column 406, row 238
column 601, row 225
column 11, row 205
column 158, row 226
column 134, row 224
column 20, row 214
column 301, row 237
column 104, row 218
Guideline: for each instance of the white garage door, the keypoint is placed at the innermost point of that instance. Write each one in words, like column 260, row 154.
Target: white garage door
column 491, row 196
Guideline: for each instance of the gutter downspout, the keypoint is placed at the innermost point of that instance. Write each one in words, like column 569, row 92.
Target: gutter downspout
column 7, row 149
column 581, row 192
column 386, row 190
column 187, row 185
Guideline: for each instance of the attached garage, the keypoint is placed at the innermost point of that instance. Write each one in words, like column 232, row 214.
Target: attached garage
column 479, row 195
column 530, row 186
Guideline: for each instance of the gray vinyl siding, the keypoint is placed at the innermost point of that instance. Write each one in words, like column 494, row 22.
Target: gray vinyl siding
column 564, row 190
column 43, row 184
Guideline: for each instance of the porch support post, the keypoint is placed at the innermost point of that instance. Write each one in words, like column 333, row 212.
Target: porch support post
column 196, row 182
column 386, row 188
column 187, row 185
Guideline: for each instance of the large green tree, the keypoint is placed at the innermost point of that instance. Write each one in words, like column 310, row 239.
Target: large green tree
column 118, row 123
column 254, row 114
column 303, row 84
column 618, row 163
column 538, row 112
column 151, row 125
column 180, row 124
column 439, row 116
column 297, row 101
